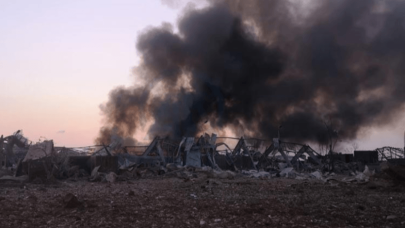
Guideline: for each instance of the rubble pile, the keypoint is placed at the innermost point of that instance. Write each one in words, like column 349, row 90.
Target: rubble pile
column 191, row 157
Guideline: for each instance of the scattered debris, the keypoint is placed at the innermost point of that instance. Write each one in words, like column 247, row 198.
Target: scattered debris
column 194, row 196
column 287, row 172
column 20, row 179
column 193, row 159
column 317, row 175
column 286, row 179
column 111, row 177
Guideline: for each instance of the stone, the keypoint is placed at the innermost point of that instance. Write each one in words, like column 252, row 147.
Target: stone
column 111, row 177
column 71, row 201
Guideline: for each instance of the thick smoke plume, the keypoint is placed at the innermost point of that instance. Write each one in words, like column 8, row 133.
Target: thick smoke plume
column 251, row 66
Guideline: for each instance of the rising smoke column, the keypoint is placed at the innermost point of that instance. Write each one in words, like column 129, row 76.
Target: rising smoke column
column 254, row 65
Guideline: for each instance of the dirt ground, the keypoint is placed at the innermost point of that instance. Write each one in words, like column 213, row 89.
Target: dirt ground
column 203, row 202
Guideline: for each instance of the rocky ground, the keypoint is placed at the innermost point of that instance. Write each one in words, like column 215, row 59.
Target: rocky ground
column 203, row 202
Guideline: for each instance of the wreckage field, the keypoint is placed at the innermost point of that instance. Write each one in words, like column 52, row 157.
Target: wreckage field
column 199, row 182
column 203, row 202
column 234, row 113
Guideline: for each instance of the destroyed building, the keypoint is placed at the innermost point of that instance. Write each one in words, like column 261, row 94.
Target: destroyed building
column 42, row 160
column 315, row 73
column 13, row 148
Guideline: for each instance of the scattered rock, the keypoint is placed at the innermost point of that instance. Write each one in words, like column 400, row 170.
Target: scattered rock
column 131, row 193
column 111, row 177
column 32, row 199
column 71, row 201
column 194, row 196
column 317, row 175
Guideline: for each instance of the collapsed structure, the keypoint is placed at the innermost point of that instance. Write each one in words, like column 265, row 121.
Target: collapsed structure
column 239, row 155
column 8, row 153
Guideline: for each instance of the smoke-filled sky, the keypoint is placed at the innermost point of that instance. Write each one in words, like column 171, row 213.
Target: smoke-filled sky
column 235, row 67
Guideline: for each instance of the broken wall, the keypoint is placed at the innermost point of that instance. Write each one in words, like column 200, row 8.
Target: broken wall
column 39, row 150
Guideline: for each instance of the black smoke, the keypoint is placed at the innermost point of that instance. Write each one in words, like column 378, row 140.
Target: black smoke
column 252, row 66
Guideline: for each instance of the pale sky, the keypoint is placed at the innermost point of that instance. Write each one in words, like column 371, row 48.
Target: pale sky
column 60, row 59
